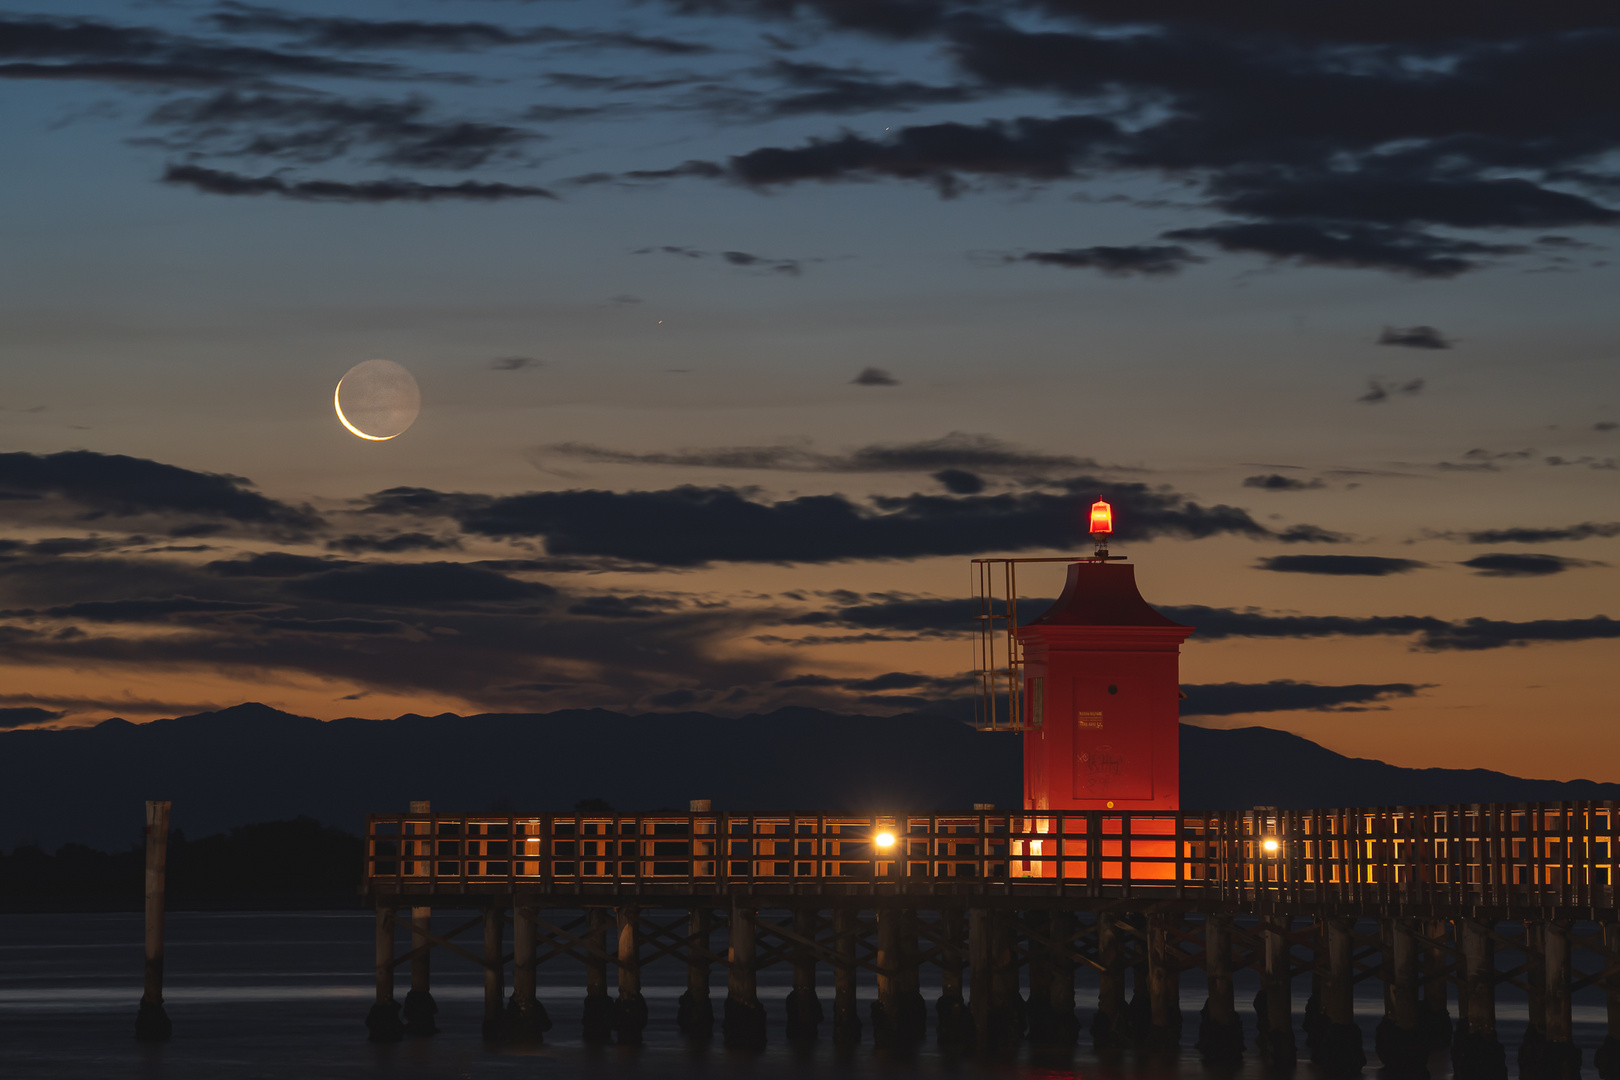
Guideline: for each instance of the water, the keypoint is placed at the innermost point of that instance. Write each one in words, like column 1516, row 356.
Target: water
column 284, row 995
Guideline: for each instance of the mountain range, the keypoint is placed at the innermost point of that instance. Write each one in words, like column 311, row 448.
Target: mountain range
column 254, row 763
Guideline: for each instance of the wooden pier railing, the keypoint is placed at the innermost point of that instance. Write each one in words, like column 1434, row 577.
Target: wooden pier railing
column 1502, row 855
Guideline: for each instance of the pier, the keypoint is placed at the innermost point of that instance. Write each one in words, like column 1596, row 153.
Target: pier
column 1009, row 905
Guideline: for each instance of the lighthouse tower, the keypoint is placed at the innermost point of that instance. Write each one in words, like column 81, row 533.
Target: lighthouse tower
column 1101, row 692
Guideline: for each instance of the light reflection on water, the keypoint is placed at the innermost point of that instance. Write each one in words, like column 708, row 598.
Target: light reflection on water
column 284, row 994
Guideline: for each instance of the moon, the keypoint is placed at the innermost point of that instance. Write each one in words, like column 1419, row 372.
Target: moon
column 377, row 400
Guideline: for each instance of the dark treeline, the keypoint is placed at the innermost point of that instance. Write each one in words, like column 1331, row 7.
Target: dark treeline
column 300, row 856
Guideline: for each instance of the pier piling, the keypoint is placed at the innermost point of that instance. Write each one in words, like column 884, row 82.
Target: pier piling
column 630, row 1010
column 420, row 1008
column 1220, row 1032
column 695, row 1014
column 494, row 970
column 1338, row 1050
column 526, row 1017
column 1607, row 1057
column 1110, row 1025
column 954, row 1021
column 1476, row 1054
column 803, row 1007
column 846, row 1014
column 383, row 1021
column 744, row 1023
column 1164, row 983
column 596, row 1025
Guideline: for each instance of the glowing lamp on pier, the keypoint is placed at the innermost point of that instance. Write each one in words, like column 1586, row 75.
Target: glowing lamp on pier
column 1269, row 844
column 884, row 840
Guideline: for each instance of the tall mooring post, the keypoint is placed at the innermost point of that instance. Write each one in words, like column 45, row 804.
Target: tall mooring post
column 420, row 1008
column 1164, row 982
column 1607, row 1057
column 1560, row 1057
column 152, row 1022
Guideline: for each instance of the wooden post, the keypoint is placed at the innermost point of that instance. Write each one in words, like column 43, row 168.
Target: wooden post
column 1607, row 1058
column 596, row 1024
column 630, row 1010
column 420, row 1008
column 526, row 1015
column 1164, row 983
column 1435, row 1011
column 954, row 1020
column 152, row 1020
column 1561, row 1058
column 1535, row 978
column 1110, row 1029
column 1039, row 965
column 1476, row 1054
column 1006, row 1006
column 981, row 972
column 744, row 1024
column 1277, row 1040
column 696, row 1013
column 1338, row 1048
column 1220, row 1032
column 803, row 1007
column 912, row 1021
column 1065, row 1026
column 383, row 1021
column 1400, row 1042
column 846, row 1014
column 494, row 969
column 886, row 1010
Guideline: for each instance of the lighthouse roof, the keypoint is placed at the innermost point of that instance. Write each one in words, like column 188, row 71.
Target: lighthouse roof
column 1101, row 594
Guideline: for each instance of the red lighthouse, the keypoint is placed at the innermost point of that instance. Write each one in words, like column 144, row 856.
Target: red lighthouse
column 1101, row 693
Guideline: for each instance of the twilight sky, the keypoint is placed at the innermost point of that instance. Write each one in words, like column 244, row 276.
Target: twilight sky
column 741, row 325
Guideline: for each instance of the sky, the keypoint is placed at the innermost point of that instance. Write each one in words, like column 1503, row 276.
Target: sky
column 741, row 326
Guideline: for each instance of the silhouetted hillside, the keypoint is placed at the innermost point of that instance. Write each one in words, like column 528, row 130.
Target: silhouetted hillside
column 252, row 763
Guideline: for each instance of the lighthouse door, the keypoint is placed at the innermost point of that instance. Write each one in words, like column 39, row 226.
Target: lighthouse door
column 1113, row 749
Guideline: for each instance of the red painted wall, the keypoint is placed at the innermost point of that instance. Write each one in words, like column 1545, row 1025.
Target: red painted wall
column 1101, row 701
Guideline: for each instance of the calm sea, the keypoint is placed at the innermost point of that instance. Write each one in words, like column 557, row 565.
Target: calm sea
column 284, row 995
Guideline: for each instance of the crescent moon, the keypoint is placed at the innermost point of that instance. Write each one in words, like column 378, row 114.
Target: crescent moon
column 344, row 420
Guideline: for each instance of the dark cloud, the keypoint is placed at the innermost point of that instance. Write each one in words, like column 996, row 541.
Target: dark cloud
column 1278, row 482
column 1355, row 153
column 1514, row 565
column 1605, row 425
column 88, row 49
column 745, row 259
column 317, row 128
column 23, row 716
column 1349, row 246
column 960, row 481
column 341, row 33
column 1340, row 565
column 1538, row 535
column 956, row 450
column 515, row 363
column 1144, row 260
column 833, row 90
column 357, row 544
column 217, row 182
column 875, row 377
column 119, row 486
column 275, row 564
column 1414, row 337
column 899, row 617
column 418, row 585
column 1286, row 695
column 1379, row 391
column 691, row 526
column 609, row 606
